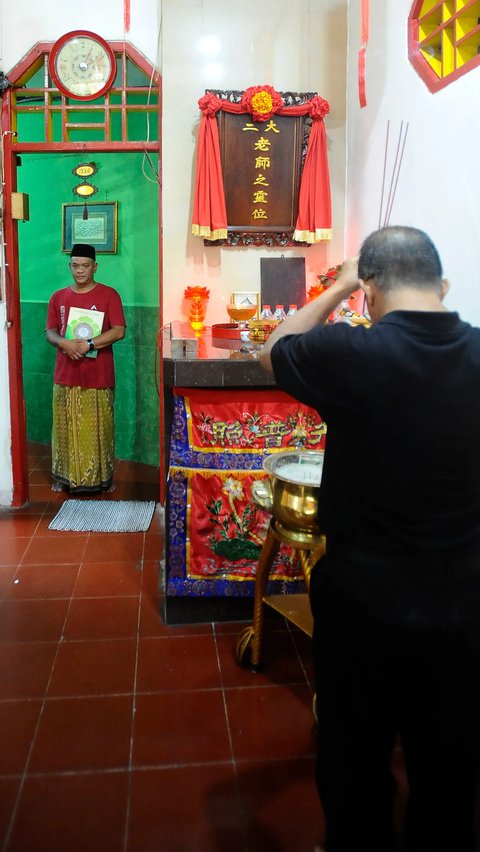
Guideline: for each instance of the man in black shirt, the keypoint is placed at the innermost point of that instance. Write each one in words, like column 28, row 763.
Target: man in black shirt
column 396, row 599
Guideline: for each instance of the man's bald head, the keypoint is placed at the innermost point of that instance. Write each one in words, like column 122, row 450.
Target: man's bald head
column 399, row 256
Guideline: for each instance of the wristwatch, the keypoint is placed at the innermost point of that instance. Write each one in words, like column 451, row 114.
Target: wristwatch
column 91, row 345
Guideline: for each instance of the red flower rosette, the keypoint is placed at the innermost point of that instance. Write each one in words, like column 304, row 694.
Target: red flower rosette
column 209, row 104
column 262, row 102
column 318, row 107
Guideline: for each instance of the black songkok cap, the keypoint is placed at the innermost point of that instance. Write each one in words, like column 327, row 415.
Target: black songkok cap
column 81, row 250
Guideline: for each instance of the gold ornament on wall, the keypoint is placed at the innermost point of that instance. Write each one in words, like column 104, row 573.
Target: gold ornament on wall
column 85, row 189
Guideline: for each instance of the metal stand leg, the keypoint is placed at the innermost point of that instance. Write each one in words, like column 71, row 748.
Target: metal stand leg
column 250, row 640
column 267, row 556
column 308, row 560
column 249, row 643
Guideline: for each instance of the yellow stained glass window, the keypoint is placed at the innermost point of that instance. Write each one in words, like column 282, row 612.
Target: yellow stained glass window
column 444, row 39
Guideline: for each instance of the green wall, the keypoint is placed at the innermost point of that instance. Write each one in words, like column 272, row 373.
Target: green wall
column 133, row 271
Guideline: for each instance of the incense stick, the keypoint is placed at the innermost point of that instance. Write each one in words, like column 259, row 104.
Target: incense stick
column 393, row 175
column 402, row 138
column 387, row 220
column 384, row 174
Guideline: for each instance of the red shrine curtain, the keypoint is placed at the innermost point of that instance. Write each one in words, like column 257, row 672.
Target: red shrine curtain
column 314, row 221
column 209, row 211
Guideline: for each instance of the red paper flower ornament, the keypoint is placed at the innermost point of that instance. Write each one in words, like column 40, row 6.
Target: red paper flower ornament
column 326, row 279
column 196, row 292
column 210, row 104
column 318, row 107
column 262, row 102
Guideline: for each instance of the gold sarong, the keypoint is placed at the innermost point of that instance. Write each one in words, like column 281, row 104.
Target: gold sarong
column 83, row 438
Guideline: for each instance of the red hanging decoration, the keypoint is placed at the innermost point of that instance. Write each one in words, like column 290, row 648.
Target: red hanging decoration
column 362, row 53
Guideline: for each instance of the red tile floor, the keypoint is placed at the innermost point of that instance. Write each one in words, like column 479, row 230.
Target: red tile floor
column 120, row 734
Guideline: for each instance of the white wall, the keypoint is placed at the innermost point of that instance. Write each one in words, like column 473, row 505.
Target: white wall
column 296, row 46
column 25, row 22
column 439, row 182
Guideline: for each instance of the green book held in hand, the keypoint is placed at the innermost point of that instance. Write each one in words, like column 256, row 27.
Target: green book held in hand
column 83, row 324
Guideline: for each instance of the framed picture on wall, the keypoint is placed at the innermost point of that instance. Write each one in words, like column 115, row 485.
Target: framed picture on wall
column 99, row 229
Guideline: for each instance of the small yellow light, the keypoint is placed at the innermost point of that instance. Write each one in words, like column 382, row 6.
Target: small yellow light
column 85, row 190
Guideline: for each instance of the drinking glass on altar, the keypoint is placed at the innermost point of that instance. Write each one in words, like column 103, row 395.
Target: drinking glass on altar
column 240, row 314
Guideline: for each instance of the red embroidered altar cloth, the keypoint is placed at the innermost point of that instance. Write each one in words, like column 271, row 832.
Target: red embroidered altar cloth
column 215, row 532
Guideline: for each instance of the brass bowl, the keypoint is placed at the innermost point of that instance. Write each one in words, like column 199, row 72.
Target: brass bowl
column 292, row 490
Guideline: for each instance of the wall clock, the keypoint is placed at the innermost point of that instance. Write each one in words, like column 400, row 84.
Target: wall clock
column 82, row 65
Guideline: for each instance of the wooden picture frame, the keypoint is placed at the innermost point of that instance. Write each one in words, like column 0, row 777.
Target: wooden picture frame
column 100, row 229
column 276, row 219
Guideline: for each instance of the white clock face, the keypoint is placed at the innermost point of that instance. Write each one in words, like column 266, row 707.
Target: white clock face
column 83, row 66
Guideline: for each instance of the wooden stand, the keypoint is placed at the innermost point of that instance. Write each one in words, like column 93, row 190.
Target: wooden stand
column 296, row 608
